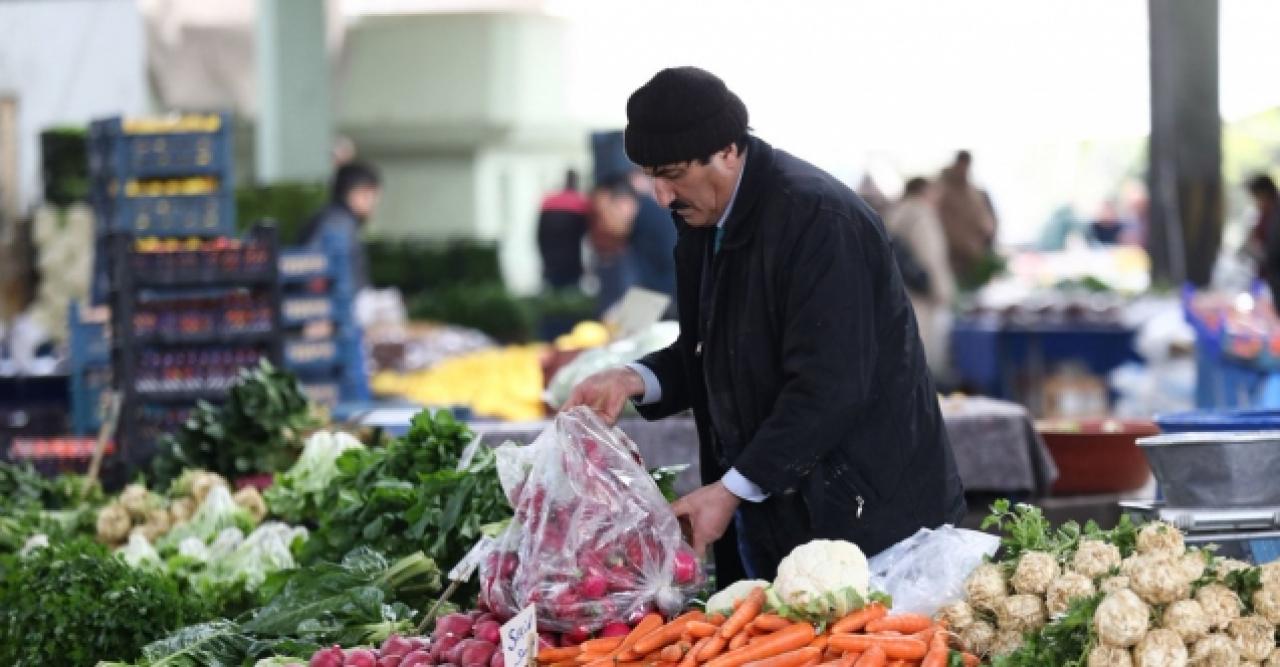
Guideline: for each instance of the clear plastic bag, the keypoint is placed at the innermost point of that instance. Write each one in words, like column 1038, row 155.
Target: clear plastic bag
column 926, row 571
column 592, row 541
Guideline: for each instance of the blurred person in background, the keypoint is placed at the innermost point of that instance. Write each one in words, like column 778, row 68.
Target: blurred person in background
column 613, row 213
column 562, row 225
column 653, row 240
column 1262, row 190
column 1107, row 228
column 1264, row 241
column 967, row 217
column 913, row 222
column 354, row 197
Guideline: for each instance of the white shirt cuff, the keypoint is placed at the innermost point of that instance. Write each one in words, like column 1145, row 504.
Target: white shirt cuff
column 652, row 390
column 742, row 487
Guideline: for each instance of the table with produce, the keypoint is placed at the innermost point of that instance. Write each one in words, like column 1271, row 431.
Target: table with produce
column 430, row 549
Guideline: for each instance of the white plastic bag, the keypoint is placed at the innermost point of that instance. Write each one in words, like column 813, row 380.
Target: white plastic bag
column 926, row 571
column 592, row 541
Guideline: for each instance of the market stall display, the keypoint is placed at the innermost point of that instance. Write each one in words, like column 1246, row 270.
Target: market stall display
column 503, row 383
column 1237, row 349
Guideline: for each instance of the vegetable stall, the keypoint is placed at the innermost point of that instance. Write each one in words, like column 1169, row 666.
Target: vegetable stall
column 368, row 550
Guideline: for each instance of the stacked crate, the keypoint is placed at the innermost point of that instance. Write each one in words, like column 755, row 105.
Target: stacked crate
column 323, row 344
column 190, row 302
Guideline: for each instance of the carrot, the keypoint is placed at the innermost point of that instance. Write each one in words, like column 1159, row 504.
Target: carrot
column 904, row 623
column 873, row 657
column 829, row 663
column 713, row 648
column 858, row 620
column 701, row 629
column 820, row 642
column 782, row 641
column 664, row 635
column 794, row 658
column 750, row 608
column 767, row 623
column 648, row 624
column 552, row 655
column 691, row 657
column 739, row 640
column 602, row 645
column 672, row 653
column 716, row 619
column 926, row 635
column 939, row 652
column 849, row 659
column 894, row 647
column 564, row 663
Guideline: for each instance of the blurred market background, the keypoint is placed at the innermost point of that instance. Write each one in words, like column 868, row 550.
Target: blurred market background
column 1109, row 155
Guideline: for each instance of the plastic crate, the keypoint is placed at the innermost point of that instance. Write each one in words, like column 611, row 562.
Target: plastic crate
column 327, row 394
column 296, row 311
column 87, row 387
column 115, row 152
column 302, row 265
column 89, row 343
column 57, row 456
column 211, row 214
column 304, row 355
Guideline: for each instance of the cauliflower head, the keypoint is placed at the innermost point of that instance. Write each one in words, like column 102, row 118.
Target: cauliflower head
column 722, row 602
column 823, row 578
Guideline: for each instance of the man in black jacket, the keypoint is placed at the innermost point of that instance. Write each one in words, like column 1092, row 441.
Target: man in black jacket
column 798, row 350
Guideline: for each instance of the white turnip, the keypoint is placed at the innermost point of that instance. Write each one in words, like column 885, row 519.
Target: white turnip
column 1095, row 558
column 1187, row 618
column 1121, row 619
column 1221, row 605
column 1160, row 648
column 985, row 587
column 1215, row 651
column 1035, row 571
column 1254, row 636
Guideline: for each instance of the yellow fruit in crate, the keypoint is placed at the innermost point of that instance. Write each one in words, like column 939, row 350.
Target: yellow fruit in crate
column 505, row 383
column 587, row 334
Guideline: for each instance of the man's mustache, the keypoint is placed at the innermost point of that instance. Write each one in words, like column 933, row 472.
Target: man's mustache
column 677, row 205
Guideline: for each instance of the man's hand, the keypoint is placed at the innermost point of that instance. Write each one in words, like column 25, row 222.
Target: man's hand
column 607, row 392
column 708, row 512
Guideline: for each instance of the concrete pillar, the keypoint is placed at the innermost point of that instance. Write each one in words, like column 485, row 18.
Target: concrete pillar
column 1185, row 170
column 295, row 108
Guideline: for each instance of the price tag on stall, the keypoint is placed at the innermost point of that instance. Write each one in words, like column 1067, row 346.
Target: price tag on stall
column 520, row 639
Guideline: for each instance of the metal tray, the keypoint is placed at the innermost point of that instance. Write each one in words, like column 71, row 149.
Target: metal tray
column 1216, row 469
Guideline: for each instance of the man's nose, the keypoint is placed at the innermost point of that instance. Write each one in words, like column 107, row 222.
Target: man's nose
column 663, row 192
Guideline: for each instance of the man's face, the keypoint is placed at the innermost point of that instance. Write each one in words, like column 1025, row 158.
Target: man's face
column 363, row 200
column 698, row 192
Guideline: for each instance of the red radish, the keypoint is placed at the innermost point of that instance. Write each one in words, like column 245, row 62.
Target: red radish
column 489, row 632
column 453, row 625
column 487, row 618
column 419, row 644
column 547, row 640
column 454, row 654
column 575, row 636
column 594, row 585
column 397, row 646
column 686, row 567
column 442, row 646
column 389, row 661
column 616, row 629
column 476, row 653
column 360, row 657
column 417, row 659
column 327, row 657
column 498, row 660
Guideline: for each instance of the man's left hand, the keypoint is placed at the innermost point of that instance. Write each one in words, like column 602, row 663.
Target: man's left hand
column 708, row 512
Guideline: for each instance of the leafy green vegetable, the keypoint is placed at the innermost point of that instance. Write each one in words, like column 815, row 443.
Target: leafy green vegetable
column 347, row 603
column 1245, row 583
column 215, row 644
column 34, row 504
column 74, row 604
column 258, row 430
column 297, row 493
column 665, row 477
column 1024, row 528
column 410, row 497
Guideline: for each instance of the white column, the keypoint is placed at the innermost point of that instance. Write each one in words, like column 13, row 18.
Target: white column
column 295, row 109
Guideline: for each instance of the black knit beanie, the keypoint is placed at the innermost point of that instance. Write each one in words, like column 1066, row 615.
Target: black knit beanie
column 682, row 114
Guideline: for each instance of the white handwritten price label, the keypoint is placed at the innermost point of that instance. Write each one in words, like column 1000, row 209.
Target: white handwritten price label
column 467, row 566
column 520, row 639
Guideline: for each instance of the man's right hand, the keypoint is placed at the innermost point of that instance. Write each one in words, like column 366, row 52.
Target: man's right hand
column 607, row 392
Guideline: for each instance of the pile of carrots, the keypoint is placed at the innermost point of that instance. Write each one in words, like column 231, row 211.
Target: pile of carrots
column 869, row 637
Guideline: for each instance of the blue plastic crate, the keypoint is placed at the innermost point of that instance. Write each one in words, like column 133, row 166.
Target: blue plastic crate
column 168, row 215
column 87, row 387
column 89, row 343
column 115, row 153
column 300, row 265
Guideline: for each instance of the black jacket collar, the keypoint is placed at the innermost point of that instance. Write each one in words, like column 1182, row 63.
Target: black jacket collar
column 742, row 222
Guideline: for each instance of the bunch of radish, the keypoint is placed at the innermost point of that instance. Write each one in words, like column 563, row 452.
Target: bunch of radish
column 396, row 651
column 593, row 544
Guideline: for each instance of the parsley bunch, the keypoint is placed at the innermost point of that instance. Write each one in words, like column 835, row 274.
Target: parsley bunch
column 74, row 604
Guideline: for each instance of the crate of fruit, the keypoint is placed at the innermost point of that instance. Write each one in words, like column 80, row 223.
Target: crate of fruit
column 180, row 145
column 301, row 265
column 191, row 206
